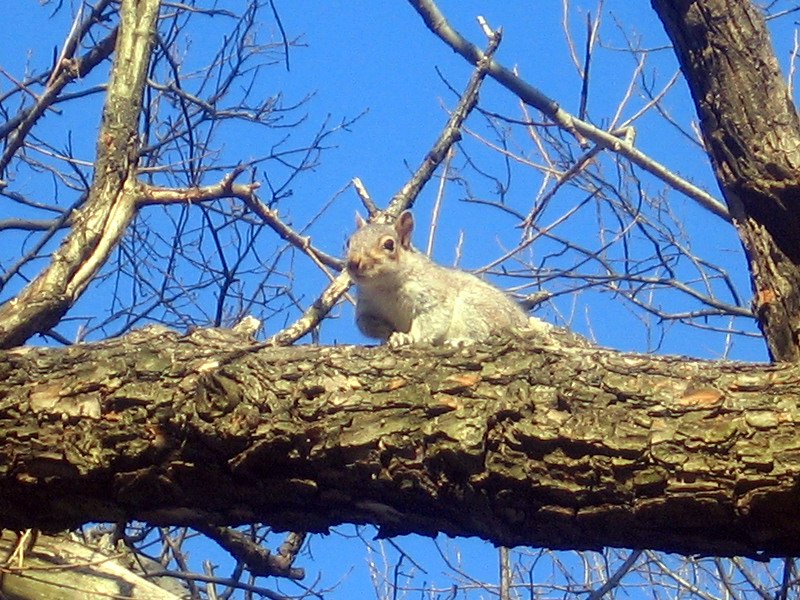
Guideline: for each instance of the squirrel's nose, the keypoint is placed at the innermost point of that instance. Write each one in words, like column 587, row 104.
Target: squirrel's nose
column 353, row 265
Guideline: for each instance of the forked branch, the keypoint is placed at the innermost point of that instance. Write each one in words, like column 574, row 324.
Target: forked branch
column 438, row 24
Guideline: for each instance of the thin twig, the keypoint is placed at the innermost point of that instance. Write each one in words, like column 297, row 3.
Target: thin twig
column 449, row 136
column 226, row 188
column 438, row 24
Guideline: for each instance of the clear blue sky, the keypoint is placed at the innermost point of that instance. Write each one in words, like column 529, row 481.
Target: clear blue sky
column 378, row 57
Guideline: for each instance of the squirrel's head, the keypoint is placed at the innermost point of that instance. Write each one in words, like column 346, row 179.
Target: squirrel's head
column 375, row 250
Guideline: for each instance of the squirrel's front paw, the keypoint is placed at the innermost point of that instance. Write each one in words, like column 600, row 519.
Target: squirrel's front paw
column 398, row 338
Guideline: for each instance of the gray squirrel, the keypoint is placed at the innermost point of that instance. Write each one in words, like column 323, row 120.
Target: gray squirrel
column 405, row 298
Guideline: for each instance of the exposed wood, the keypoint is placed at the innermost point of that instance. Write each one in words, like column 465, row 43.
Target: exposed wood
column 752, row 132
column 513, row 442
column 63, row 568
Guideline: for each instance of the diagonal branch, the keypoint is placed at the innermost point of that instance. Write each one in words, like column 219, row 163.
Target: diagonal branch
column 18, row 128
column 246, row 192
column 111, row 204
column 435, row 21
column 260, row 561
column 450, row 134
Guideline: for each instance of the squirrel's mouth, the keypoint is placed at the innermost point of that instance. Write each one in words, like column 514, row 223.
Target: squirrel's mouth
column 354, row 272
column 358, row 269
column 370, row 278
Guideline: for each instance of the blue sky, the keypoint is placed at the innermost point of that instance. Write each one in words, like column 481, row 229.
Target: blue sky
column 378, row 59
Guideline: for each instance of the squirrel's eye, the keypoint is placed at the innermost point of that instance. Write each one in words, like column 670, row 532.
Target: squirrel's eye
column 388, row 244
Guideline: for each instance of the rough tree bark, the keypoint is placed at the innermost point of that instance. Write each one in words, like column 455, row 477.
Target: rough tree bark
column 752, row 131
column 514, row 442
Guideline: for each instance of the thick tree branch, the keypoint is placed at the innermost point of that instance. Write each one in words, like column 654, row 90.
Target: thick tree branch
column 515, row 442
column 61, row 567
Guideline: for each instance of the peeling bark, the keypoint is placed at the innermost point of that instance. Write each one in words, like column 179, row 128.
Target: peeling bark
column 516, row 443
column 752, row 132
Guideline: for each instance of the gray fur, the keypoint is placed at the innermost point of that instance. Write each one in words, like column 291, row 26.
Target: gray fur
column 405, row 298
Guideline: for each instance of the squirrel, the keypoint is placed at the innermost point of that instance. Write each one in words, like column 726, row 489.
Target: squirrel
column 405, row 298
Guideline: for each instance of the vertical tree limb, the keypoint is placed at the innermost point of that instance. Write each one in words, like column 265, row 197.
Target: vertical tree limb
column 752, row 131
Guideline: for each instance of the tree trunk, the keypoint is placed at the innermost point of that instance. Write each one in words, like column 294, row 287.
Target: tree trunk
column 516, row 443
column 752, row 132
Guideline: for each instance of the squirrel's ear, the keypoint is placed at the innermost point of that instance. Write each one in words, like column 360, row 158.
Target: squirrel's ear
column 404, row 226
column 360, row 222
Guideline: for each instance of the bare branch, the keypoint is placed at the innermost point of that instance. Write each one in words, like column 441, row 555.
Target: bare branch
column 437, row 23
column 259, row 560
column 111, row 204
column 450, row 134
column 26, row 119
